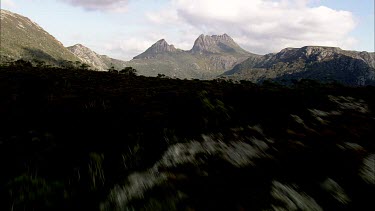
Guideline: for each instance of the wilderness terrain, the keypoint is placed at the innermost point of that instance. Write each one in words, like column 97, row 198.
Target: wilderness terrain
column 210, row 57
column 77, row 139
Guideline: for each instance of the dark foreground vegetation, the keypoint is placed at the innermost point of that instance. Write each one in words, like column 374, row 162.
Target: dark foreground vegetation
column 84, row 140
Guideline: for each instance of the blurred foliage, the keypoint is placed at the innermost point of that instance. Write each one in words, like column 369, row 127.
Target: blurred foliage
column 81, row 132
column 27, row 191
column 96, row 172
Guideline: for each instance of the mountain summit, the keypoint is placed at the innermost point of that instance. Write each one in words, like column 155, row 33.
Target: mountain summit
column 160, row 46
column 210, row 56
column 21, row 38
column 216, row 44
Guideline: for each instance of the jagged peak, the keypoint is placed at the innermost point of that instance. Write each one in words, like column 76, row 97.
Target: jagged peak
column 215, row 44
column 160, row 46
column 214, row 36
column 162, row 41
column 80, row 47
column 223, row 37
column 80, row 50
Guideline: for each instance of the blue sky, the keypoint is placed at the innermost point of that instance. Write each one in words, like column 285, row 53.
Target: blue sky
column 363, row 11
column 124, row 28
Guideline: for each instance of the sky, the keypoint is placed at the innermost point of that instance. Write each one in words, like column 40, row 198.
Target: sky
column 123, row 29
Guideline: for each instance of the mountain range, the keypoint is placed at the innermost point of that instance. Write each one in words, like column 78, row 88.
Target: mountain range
column 210, row 57
column 311, row 62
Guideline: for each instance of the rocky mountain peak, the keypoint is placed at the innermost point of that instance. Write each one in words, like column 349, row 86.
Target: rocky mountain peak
column 204, row 43
column 161, row 41
column 222, row 38
column 79, row 47
column 88, row 56
column 160, row 46
column 215, row 44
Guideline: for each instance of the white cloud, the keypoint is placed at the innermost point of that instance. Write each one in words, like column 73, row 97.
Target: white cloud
column 8, row 4
column 261, row 26
column 101, row 5
column 130, row 45
column 128, row 48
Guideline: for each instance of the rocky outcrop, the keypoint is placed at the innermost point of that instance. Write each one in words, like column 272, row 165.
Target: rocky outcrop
column 88, row 56
column 209, row 57
column 159, row 47
column 215, row 44
column 325, row 64
column 96, row 61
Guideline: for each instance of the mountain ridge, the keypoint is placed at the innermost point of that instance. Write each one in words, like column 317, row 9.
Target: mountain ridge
column 21, row 38
column 215, row 44
column 314, row 62
column 160, row 46
column 209, row 57
column 95, row 60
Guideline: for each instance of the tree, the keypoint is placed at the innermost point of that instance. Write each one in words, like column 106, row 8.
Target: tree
column 68, row 64
column 84, row 66
column 22, row 63
column 161, row 76
column 112, row 70
column 39, row 63
column 129, row 71
column 77, row 64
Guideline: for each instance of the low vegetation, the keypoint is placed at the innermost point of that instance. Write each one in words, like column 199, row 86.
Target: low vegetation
column 74, row 139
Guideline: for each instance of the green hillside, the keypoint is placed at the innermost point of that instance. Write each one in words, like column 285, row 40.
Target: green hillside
column 209, row 57
column 21, row 38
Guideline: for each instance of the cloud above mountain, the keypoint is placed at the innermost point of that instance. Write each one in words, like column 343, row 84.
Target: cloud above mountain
column 262, row 26
column 101, row 5
column 259, row 26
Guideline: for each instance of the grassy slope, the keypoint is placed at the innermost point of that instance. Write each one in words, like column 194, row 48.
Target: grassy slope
column 21, row 38
column 185, row 65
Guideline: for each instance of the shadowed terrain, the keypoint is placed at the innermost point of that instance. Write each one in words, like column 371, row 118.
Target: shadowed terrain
column 83, row 140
